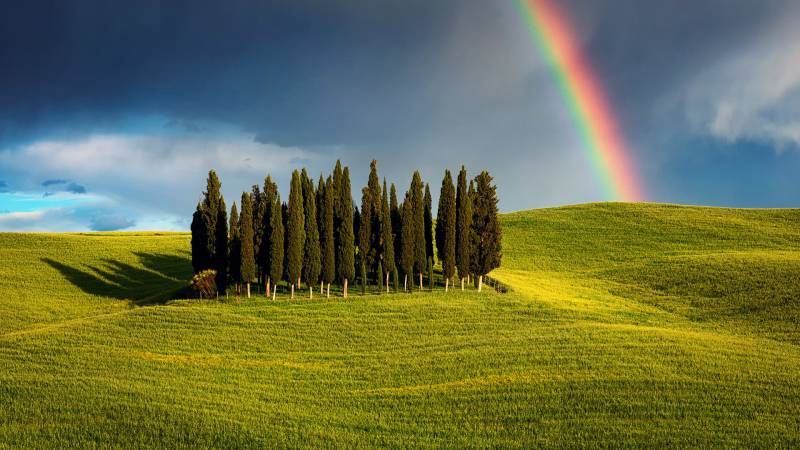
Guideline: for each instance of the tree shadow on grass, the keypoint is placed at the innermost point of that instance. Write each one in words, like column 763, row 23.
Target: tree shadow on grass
column 160, row 277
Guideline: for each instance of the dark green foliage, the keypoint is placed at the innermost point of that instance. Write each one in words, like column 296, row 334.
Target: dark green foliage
column 373, row 216
column 427, row 221
column 380, row 278
column 258, row 226
column 387, row 235
column 407, row 239
column 446, row 227
column 211, row 198
column 270, row 196
column 472, row 236
column 204, row 283
column 394, row 212
column 221, row 245
column 363, row 277
column 200, row 257
column 430, row 273
column 336, row 180
column 295, row 230
column 346, row 251
column 248, row 264
column 463, row 225
column 276, row 251
column 235, row 245
column 311, row 254
column 326, row 231
column 485, row 226
column 363, row 225
column 396, row 279
column 417, row 222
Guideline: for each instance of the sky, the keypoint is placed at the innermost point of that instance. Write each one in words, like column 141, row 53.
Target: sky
column 112, row 113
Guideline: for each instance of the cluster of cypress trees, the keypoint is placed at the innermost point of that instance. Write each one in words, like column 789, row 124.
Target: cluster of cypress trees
column 320, row 236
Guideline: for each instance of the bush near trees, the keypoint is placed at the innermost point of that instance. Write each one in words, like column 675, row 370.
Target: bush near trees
column 320, row 237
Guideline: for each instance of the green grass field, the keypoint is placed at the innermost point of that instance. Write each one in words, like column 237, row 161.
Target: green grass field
column 628, row 325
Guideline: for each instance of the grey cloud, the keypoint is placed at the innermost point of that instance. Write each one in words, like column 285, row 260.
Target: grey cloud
column 110, row 223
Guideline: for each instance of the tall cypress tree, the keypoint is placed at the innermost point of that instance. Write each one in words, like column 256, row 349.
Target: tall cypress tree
column 248, row 264
column 258, row 229
column 407, row 240
column 337, row 208
column 346, row 250
column 473, row 238
column 311, row 253
column 446, row 229
column 418, row 225
column 364, row 226
column 326, row 233
column 486, row 227
column 276, row 250
column 200, row 256
column 235, row 245
column 463, row 227
column 210, row 214
column 221, row 245
column 295, row 231
column 394, row 211
column 270, row 196
column 387, row 237
column 373, row 217
column 428, row 223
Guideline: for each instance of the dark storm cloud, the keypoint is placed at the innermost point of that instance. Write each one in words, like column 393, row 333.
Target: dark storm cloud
column 110, row 223
column 291, row 71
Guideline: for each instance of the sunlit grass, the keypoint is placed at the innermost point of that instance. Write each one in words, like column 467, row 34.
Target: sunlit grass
column 627, row 325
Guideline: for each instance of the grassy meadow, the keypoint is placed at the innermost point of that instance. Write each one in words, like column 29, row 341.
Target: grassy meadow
column 627, row 325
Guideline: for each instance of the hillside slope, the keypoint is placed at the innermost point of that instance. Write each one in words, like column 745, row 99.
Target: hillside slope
column 628, row 325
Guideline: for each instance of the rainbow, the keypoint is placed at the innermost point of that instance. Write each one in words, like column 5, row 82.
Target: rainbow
column 590, row 112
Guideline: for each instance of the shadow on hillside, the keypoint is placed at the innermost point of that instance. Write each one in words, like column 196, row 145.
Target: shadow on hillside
column 159, row 278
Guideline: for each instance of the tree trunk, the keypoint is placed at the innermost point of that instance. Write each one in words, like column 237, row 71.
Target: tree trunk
column 405, row 282
column 387, row 282
column 344, row 288
column 274, row 291
column 269, row 284
column 298, row 283
column 248, row 289
column 311, row 292
column 329, row 291
column 420, row 281
column 446, row 284
column 292, row 296
column 480, row 282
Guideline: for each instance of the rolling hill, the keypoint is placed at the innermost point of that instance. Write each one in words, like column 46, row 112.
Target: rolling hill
column 627, row 325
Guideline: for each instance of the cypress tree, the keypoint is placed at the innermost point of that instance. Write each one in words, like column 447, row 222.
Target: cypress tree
column 446, row 229
column 418, row 225
column 428, row 222
column 380, row 276
column 276, row 253
column 472, row 236
column 248, row 264
column 295, row 231
column 210, row 214
column 258, row 229
column 373, row 216
column 394, row 211
column 326, row 234
column 235, row 245
column 337, row 208
column 396, row 279
column 365, row 228
column 311, row 254
column 407, row 240
column 463, row 227
column 200, row 257
column 346, row 249
column 387, row 237
column 270, row 196
column 486, row 227
column 363, row 277
column 430, row 272
column 221, row 245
